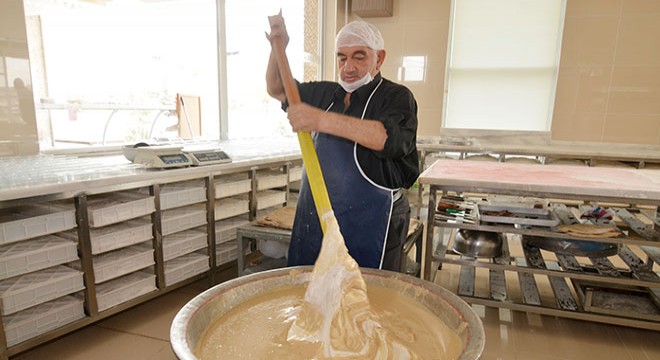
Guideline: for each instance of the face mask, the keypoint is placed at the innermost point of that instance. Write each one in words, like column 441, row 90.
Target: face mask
column 350, row 87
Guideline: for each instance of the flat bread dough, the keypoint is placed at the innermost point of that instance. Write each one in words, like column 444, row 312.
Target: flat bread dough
column 590, row 231
column 281, row 218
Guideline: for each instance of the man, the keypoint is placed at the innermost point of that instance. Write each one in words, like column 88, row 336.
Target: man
column 364, row 129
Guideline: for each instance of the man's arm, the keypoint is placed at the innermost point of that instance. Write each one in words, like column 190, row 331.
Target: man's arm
column 369, row 133
column 274, row 84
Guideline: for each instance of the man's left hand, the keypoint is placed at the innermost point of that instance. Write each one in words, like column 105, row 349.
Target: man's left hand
column 303, row 117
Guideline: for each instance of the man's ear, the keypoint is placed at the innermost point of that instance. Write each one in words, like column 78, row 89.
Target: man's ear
column 380, row 58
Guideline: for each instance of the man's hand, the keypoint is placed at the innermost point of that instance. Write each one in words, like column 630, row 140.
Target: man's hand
column 368, row 133
column 278, row 28
column 303, row 117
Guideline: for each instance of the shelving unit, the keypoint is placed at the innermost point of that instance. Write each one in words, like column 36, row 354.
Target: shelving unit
column 622, row 289
column 94, row 248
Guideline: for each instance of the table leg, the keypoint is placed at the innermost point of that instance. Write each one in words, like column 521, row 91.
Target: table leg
column 427, row 250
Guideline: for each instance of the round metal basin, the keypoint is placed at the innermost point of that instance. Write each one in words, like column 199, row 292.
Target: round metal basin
column 191, row 322
column 477, row 243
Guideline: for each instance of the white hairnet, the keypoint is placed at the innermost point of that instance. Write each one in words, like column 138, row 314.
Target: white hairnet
column 359, row 33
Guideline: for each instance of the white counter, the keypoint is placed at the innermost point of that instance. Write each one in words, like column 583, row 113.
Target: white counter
column 30, row 176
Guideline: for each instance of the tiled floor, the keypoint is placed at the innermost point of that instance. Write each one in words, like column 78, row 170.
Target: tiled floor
column 142, row 333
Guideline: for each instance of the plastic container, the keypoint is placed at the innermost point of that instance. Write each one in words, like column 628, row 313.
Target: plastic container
column 184, row 218
column 125, row 288
column 225, row 253
column 232, row 185
column 29, row 222
column 42, row 318
column 184, row 242
column 116, row 263
column 21, row 292
column 181, row 194
column 36, row 254
column 230, row 207
column 225, row 230
column 185, row 267
column 112, row 208
column 116, row 236
column 268, row 179
column 295, row 173
column 269, row 198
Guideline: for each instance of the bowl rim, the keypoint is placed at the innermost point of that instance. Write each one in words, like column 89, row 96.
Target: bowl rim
column 301, row 274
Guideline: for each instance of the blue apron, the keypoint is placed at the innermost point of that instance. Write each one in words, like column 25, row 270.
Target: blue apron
column 362, row 207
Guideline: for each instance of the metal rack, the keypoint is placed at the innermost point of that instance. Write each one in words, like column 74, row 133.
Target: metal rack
column 79, row 192
column 575, row 286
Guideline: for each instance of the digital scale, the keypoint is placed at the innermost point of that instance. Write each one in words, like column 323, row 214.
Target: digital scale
column 208, row 157
column 167, row 156
column 161, row 157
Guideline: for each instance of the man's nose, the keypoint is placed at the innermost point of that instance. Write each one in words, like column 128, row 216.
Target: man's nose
column 349, row 65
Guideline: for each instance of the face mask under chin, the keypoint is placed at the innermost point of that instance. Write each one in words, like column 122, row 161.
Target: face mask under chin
column 350, row 87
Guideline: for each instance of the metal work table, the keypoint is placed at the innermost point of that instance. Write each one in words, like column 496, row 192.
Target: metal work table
column 632, row 195
column 505, row 145
column 252, row 232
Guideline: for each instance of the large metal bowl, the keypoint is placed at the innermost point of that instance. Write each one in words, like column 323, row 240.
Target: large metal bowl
column 477, row 243
column 196, row 316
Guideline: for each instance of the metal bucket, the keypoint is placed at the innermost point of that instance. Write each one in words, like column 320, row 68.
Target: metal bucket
column 196, row 316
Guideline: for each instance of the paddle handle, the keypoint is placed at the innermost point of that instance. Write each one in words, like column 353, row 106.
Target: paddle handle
column 310, row 159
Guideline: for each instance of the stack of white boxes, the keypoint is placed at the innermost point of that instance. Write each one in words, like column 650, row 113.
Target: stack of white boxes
column 271, row 190
column 35, row 288
column 121, row 240
column 183, row 221
column 232, row 208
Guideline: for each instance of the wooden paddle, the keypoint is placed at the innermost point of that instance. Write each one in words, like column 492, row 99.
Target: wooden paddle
column 310, row 159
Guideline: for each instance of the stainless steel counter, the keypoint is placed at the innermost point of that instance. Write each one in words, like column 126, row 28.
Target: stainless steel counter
column 69, row 175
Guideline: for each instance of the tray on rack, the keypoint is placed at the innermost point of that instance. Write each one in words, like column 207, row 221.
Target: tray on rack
column 618, row 300
column 516, row 215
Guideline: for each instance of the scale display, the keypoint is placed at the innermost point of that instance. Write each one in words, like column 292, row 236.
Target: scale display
column 174, row 159
column 208, row 157
column 161, row 157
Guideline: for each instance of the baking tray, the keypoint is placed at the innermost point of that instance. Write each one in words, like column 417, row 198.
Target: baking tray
column 617, row 300
column 517, row 215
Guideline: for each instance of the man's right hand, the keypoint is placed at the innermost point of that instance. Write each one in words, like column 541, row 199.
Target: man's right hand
column 278, row 28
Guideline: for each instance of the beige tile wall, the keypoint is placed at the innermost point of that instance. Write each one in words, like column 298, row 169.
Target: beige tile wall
column 609, row 76
column 608, row 87
column 419, row 28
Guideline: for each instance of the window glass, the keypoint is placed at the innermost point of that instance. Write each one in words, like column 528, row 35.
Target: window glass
column 108, row 72
column 502, row 69
column 252, row 113
column 111, row 72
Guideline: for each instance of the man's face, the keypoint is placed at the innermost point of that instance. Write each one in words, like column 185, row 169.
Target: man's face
column 354, row 62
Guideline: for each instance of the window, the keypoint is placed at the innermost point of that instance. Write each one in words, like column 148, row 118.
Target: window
column 252, row 112
column 109, row 72
column 502, row 69
column 413, row 68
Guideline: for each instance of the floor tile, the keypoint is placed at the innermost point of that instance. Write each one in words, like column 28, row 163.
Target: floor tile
column 164, row 354
column 640, row 344
column 98, row 344
column 152, row 319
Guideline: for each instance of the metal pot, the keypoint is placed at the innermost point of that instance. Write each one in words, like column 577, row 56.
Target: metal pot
column 477, row 243
column 196, row 316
